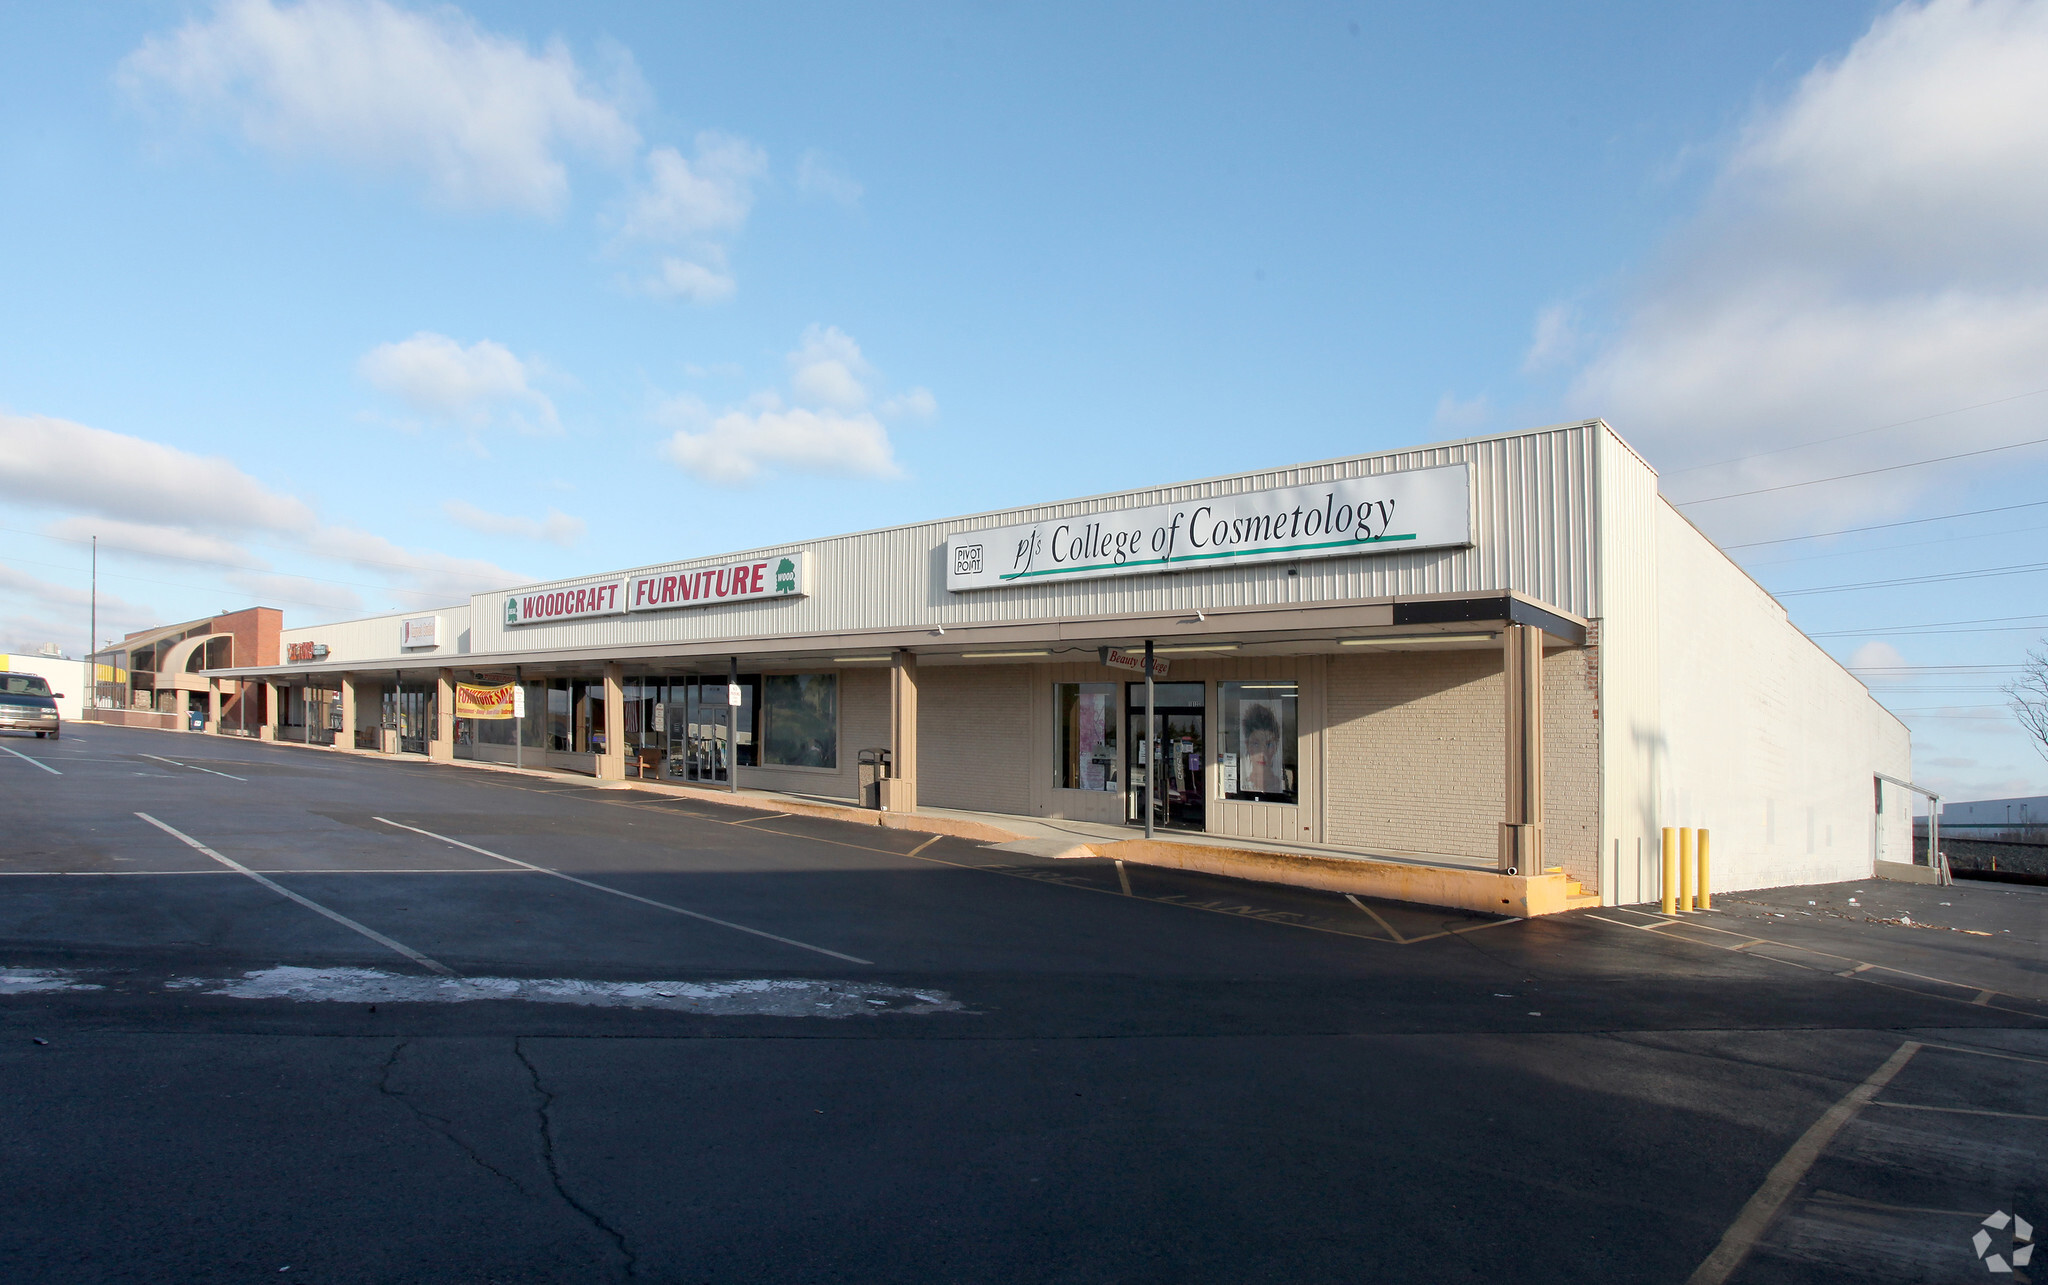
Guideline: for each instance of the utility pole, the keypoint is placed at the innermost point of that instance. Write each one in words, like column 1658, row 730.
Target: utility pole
column 92, row 642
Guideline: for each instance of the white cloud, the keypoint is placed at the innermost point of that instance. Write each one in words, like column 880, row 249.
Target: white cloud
column 485, row 121
column 437, row 376
column 54, row 463
column 917, row 403
column 691, row 206
column 300, row 591
column 684, row 199
column 828, row 431
column 820, row 176
column 1877, row 655
column 148, row 492
column 828, row 370
column 739, row 446
column 687, row 279
column 1870, row 253
column 1556, row 339
column 155, row 541
column 1463, row 415
column 419, row 574
column 556, row 528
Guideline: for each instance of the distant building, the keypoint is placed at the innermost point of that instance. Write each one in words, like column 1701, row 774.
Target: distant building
column 2018, row 819
column 65, row 676
column 154, row 677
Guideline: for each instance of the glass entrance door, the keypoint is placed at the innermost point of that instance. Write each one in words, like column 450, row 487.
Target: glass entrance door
column 700, row 748
column 1179, row 801
column 411, row 714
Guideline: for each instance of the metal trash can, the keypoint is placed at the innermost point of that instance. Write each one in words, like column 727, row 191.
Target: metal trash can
column 872, row 765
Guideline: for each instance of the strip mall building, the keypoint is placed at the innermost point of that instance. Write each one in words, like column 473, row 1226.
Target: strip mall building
column 1507, row 652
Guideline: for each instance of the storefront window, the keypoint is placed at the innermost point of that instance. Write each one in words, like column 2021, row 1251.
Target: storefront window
column 1260, row 741
column 559, row 727
column 1087, row 735
column 802, row 720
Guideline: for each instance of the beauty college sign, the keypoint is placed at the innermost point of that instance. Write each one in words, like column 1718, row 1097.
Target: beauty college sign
column 665, row 589
column 1390, row 513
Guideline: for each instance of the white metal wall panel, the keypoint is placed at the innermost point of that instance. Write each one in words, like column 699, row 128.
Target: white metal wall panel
column 376, row 638
column 1768, row 741
column 1532, row 523
column 1624, row 637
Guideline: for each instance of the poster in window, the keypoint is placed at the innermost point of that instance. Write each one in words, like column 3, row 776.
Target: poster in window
column 1262, row 764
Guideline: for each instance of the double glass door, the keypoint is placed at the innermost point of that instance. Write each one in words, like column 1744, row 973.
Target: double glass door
column 409, row 710
column 1175, row 748
column 702, row 744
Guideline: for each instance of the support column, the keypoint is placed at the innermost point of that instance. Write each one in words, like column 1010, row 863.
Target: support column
column 1521, row 833
column 611, row 765
column 345, row 739
column 899, row 788
column 266, row 726
column 213, row 706
column 442, row 748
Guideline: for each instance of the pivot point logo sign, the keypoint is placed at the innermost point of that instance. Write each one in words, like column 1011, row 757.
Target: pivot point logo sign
column 2019, row 1248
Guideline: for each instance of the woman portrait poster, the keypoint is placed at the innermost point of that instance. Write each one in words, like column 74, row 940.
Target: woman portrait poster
column 1261, row 769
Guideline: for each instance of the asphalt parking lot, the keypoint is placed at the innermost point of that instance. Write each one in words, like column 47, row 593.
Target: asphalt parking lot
column 267, row 1008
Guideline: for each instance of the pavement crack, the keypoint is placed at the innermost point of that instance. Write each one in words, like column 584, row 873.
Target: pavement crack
column 438, row 1124
column 546, row 1100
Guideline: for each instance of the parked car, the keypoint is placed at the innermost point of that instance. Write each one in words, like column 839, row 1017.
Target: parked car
column 27, row 705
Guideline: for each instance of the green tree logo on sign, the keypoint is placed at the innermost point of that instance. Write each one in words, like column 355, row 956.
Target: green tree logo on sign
column 785, row 577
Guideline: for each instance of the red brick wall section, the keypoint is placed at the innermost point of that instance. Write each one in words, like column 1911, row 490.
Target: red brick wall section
column 256, row 631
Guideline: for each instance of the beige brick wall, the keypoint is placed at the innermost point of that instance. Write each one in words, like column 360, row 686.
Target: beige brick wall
column 974, row 738
column 1417, row 755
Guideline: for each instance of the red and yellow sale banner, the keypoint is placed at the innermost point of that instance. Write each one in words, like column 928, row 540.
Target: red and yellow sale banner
column 483, row 702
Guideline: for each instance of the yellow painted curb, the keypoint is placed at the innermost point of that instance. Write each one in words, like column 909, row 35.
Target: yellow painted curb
column 1518, row 896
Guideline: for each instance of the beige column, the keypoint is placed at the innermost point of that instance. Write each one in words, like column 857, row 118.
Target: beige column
column 345, row 739
column 266, row 726
column 1521, row 833
column 899, row 788
column 611, row 765
column 213, row 706
column 442, row 747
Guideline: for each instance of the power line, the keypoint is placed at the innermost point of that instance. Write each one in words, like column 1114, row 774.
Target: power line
column 1982, row 573
column 1933, row 624
column 1841, row 437
column 1925, row 633
column 1882, row 526
column 1886, row 548
column 1842, row 477
column 174, row 584
column 413, row 568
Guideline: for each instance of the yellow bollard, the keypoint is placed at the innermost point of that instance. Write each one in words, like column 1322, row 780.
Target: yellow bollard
column 1706, row 892
column 1669, row 887
column 1685, row 870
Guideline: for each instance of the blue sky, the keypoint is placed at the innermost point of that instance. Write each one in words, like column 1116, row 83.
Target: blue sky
column 347, row 306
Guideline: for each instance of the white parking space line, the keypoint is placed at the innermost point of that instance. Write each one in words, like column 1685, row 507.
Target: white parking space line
column 645, row 901
column 309, row 904
column 195, row 767
column 1750, row 1225
column 38, row 762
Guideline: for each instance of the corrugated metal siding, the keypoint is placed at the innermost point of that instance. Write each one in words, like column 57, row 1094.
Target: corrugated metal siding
column 376, row 638
column 1532, row 526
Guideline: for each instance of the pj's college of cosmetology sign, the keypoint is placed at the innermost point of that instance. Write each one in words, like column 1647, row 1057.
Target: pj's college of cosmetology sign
column 664, row 589
column 1390, row 513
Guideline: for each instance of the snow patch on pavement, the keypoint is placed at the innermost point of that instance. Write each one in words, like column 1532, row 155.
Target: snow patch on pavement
column 20, row 981
column 790, row 997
